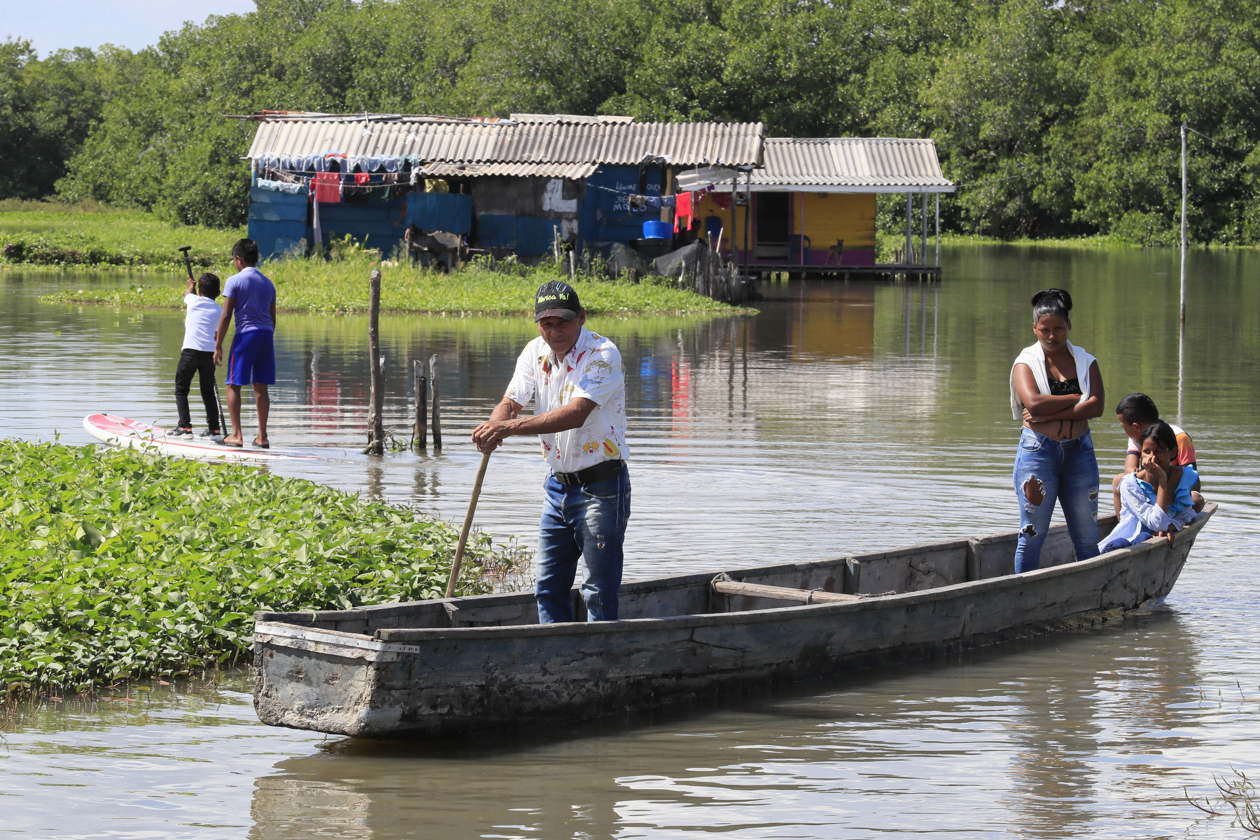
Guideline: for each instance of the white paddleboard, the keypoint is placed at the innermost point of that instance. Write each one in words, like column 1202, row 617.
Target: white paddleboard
column 126, row 433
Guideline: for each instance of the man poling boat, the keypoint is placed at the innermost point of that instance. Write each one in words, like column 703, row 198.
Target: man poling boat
column 577, row 383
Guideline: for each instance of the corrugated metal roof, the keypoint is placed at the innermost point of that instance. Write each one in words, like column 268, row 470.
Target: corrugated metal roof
column 533, row 139
column 852, row 164
column 572, row 171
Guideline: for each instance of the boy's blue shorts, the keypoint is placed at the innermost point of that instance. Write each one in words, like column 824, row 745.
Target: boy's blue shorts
column 252, row 358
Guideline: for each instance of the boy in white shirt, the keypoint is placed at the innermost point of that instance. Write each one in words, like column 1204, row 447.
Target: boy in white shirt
column 200, row 321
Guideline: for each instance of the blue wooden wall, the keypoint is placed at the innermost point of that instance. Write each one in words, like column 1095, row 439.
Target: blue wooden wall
column 607, row 216
column 448, row 212
column 279, row 222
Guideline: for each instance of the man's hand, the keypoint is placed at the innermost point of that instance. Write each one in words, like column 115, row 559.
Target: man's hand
column 218, row 356
column 490, row 434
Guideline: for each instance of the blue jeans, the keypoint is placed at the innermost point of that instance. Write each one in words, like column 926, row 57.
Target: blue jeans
column 1047, row 469
column 587, row 521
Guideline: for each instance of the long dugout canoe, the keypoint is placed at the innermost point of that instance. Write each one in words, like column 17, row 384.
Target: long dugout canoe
column 430, row 669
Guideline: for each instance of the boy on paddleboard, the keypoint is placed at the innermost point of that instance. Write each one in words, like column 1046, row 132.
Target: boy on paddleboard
column 200, row 319
column 251, row 297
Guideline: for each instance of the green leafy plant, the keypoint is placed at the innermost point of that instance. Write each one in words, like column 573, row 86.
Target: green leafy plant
column 117, row 565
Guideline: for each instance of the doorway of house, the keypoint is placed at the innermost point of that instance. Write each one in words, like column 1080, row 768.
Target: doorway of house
column 772, row 227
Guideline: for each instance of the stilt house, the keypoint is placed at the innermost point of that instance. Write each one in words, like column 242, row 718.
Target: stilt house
column 506, row 184
column 813, row 203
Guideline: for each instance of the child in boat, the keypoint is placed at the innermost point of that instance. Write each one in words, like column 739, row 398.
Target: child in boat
column 1134, row 413
column 1155, row 498
column 201, row 319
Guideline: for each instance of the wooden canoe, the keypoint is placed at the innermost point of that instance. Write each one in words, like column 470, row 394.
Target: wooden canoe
column 447, row 667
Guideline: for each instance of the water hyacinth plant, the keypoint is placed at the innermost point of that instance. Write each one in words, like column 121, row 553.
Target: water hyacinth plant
column 117, row 565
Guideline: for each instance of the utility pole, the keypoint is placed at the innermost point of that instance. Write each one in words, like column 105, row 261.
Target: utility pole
column 1184, row 180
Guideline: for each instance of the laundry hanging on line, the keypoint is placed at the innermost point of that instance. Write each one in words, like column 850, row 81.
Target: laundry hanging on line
column 682, row 218
column 651, row 202
column 328, row 187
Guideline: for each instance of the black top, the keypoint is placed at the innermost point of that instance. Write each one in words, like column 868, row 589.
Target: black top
column 1063, row 387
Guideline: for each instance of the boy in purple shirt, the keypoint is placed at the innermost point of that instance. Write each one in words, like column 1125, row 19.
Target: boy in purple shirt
column 252, row 298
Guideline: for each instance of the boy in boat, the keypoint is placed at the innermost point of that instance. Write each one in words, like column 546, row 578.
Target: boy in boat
column 578, row 385
column 1155, row 498
column 1135, row 413
column 201, row 317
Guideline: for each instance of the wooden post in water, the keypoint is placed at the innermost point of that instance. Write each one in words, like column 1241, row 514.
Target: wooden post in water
column 437, row 413
column 938, row 230
column 376, row 398
column 420, row 382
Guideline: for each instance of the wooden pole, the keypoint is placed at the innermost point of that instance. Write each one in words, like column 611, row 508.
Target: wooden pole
column 421, row 384
column 923, row 237
column 747, row 220
column 468, row 520
column 938, row 230
column 1184, row 191
column 376, row 396
column 667, row 188
column 437, row 413
column 909, row 228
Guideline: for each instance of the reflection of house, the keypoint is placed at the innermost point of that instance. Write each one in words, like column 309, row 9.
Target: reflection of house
column 508, row 184
column 814, row 202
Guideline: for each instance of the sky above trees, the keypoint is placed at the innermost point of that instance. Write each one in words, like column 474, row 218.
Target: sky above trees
column 52, row 25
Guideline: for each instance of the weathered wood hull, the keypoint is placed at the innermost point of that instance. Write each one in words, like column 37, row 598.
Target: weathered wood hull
column 443, row 668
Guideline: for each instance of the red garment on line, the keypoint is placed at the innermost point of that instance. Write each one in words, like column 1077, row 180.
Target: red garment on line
column 361, row 177
column 682, row 210
column 328, row 187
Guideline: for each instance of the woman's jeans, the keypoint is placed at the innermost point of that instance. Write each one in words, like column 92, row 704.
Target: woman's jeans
column 587, row 521
column 1047, row 469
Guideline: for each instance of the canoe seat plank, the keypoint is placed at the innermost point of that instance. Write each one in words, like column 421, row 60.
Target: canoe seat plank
column 724, row 586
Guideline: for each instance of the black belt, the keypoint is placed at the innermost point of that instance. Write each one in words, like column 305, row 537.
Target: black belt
column 599, row 472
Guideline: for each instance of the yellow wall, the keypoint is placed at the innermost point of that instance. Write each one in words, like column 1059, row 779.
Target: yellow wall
column 828, row 217
column 832, row 216
column 706, row 208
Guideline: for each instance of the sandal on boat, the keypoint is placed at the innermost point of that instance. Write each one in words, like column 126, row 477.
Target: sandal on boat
column 223, row 442
column 261, row 445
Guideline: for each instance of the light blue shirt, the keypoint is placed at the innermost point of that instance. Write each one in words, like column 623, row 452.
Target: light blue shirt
column 1140, row 517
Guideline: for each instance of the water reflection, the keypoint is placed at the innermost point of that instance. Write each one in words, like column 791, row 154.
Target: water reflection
column 889, row 750
column 844, row 417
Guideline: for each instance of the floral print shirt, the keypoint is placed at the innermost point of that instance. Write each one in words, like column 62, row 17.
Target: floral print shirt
column 591, row 369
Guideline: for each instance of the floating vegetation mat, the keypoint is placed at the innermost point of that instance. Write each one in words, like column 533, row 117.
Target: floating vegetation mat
column 117, row 565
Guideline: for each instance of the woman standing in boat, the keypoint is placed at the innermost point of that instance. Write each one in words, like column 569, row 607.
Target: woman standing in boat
column 1056, row 387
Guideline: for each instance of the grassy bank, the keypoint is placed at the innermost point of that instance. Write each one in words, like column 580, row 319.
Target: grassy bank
column 887, row 243
column 341, row 286
column 49, row 234
column 116, row 565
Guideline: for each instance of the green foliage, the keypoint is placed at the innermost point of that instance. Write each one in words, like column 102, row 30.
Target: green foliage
column 116, row 565
column 341, row 286
column 89, row 234
column 47, row 109
column 1057, row 119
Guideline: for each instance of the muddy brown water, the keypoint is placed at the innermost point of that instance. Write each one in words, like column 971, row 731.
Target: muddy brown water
column 843, row 418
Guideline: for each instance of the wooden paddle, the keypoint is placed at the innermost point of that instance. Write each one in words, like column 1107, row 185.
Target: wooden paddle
column 468, row 518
